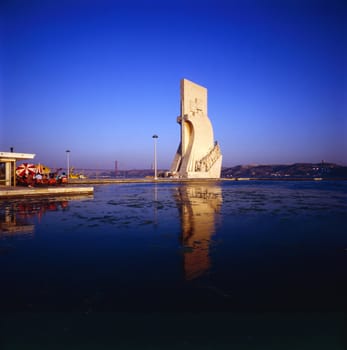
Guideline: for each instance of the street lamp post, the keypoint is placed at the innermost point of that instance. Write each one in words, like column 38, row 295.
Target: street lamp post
column 68, row 163
column 155, row 156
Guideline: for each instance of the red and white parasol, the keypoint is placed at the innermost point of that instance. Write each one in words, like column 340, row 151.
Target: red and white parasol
column 25, row 169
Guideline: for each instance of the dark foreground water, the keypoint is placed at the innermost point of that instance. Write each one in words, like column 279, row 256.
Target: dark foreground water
column 206, row 253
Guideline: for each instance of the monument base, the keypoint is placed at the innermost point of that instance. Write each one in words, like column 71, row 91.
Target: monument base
column 213, row 173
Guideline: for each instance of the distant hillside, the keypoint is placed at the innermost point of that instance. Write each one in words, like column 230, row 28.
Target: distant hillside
column 296, row 170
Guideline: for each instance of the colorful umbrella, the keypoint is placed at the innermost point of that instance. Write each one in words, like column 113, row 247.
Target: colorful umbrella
column 25, row 169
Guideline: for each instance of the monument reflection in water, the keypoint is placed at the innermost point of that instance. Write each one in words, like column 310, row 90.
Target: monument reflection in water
column 199, row 208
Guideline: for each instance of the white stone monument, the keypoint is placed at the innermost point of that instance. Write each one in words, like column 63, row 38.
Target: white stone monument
column 198, row 155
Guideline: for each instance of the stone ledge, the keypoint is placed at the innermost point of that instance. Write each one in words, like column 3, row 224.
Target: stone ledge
column 15, row 192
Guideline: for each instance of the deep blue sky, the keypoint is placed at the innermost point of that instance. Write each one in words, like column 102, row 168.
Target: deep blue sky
column 101, row 77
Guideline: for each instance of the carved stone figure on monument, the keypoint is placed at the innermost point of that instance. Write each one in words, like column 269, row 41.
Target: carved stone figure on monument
column 198, row 155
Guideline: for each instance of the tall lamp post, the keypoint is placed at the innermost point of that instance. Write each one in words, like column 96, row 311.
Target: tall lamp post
column 155, row 156
column 68, row 163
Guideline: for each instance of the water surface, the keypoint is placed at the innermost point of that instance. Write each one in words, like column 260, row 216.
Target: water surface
column 222, row 247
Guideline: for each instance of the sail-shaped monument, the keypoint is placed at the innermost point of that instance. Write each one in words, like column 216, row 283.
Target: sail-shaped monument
column 198, row 154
